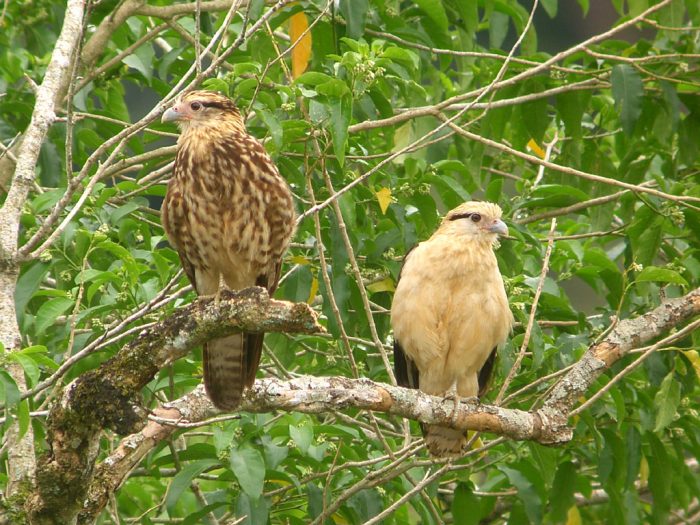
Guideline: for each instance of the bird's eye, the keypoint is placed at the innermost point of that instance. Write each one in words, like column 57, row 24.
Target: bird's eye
column 196, row 106
column 475, row 217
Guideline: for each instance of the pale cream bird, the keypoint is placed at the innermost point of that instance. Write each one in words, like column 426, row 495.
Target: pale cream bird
column 450, row 313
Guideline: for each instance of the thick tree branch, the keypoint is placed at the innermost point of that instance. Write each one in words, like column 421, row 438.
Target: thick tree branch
column 95, row 46
column 313, row 395
column 627, row 335
column 108, row 396
column 21, row 449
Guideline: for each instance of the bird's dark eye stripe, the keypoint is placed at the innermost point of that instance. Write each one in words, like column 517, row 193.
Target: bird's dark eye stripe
column 217, row 105
column 461, row 216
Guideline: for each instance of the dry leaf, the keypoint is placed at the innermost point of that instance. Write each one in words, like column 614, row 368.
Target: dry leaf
column 313, row 291
column 301, row 52
column 536, row 149
column 384, row 198
column 573, row 517
column 385, row 285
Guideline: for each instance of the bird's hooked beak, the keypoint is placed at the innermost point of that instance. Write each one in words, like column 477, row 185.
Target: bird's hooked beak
column 497, row 226
column 172, row 114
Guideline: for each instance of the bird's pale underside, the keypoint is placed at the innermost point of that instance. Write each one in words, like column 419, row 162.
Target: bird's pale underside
column 230, row 216
column 450, row 312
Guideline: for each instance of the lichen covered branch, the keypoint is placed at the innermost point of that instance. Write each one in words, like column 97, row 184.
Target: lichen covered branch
column 108, row 397
column 627, row 335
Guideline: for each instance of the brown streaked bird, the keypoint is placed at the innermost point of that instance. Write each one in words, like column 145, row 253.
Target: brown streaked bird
column 229, row 214
column 450, row 313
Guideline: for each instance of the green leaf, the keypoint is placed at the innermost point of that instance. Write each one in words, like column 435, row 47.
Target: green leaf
column 633, row 452
column 216, row 84
column 666, row 401
column 273, row 126
column 341, row 111
column 50, row 310
column 661, row 473
column 333, row 88
column 183, row 479
column 340, row 106
column 570, row 107
column 655, row 274
column 122, row 211
column 366, row 504
column 464, row 506
column 122, row 254
column 10, row 387
column 255, row 10
column 551, row 7
column 199, row 517
column 142, row 60
column 315, row 500
column 313, row 78
column 23, row 418
column 249, row 467
column 627, row 89
column 302, row 435
column 28, row 283
column 645, row 234
column 688, row 133
column 274, row 454
column 498, row 28
column 435, row 11
column 28, row 365
column 526, row 493
column 554, row 195
column 355, row 13
column 562, row 494
column 257, row 511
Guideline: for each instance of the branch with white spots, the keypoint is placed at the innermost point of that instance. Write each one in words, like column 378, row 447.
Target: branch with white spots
column 104, row 398
column 108, row 397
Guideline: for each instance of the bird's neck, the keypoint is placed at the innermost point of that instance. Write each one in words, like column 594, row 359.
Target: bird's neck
column 213, row 130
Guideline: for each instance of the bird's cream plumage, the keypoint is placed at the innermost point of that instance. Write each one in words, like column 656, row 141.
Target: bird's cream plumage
column 450, row 312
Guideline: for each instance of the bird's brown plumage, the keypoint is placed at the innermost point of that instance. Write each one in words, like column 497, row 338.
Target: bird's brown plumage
column 450, row 312
column 230, row 216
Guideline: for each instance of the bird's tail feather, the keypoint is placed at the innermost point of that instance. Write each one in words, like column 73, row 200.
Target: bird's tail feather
column 224, row 361
column 444, row 441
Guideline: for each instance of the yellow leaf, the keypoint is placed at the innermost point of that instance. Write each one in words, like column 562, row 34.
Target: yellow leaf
column 403, row 136
column 477, row 443
column 536, row 149
column 313, row 291
column 384, row 198
column 301, row 52
column 644, row 471
column 385, row 285
column 694, row 358
column 340, row 520
column 300, row 259
column 573, row 517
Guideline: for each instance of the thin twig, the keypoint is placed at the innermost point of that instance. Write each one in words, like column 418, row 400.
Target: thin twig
column 689, row 329
column 531, row 320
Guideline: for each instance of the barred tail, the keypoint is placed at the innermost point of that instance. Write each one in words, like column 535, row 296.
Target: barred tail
column 443, row 441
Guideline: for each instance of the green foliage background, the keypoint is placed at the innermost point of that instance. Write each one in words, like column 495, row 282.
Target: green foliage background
column 637, row 120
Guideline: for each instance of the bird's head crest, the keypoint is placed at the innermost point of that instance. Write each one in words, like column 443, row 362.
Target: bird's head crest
column 202, row 108
column 478, row 220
